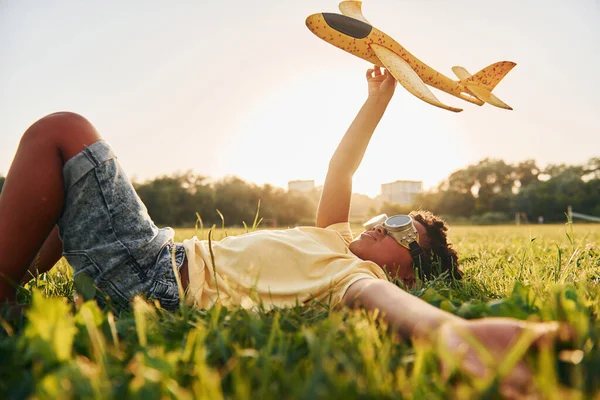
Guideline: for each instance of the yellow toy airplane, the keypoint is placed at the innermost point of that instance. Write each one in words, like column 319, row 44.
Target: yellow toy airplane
column 353, row 33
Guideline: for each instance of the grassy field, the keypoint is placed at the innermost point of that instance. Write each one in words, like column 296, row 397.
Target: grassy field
column 67, row 349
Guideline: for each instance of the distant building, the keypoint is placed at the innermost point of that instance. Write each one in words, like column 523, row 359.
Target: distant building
column 301, row 186
column 401, row 192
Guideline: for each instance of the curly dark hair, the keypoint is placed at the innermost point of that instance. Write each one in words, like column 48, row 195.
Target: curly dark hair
column 438, row 256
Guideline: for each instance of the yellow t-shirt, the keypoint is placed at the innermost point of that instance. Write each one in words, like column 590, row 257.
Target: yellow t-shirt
column 276, row 267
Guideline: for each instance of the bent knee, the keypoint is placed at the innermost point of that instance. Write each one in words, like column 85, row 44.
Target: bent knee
column 60, row 123
column 67, row 131
column 64, row 115
column 63, row 120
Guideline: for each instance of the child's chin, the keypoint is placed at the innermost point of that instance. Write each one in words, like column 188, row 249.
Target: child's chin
column 355, row 248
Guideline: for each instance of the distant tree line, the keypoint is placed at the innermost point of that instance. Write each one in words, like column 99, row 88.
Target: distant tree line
column 494, row 191
column 491, row 191
column 179, row 199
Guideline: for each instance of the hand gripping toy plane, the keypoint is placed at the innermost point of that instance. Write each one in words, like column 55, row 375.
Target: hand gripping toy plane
column 353, row 33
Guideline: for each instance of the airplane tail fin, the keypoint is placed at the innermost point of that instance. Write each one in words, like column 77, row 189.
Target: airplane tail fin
column 483, row 82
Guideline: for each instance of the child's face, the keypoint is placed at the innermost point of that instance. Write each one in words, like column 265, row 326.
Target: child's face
column 377, row 246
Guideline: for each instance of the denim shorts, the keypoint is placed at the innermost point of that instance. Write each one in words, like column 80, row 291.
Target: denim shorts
column 108, row 237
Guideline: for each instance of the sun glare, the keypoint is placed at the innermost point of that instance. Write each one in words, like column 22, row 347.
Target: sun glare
column 293, row 129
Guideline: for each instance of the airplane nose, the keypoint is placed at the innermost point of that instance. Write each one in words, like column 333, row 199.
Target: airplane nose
column 312, row 19
column 348, row 26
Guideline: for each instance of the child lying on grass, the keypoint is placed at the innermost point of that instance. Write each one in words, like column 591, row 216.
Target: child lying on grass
column 65, row 194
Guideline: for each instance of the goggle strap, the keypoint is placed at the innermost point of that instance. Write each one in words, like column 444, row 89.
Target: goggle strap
column 415, row 250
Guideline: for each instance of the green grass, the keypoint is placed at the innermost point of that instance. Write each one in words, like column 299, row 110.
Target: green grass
column 68, row 349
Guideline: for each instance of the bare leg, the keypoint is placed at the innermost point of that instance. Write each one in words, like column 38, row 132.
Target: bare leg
column 46, row 258
column 32, row 197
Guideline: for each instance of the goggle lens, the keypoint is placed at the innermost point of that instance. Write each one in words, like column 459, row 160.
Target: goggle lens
column 400, row 227
column 398, row 221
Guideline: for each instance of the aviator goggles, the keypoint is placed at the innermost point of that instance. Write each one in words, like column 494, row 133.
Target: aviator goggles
column 401, row 228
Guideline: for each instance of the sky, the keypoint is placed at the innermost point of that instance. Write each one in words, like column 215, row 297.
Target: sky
column 244, row 88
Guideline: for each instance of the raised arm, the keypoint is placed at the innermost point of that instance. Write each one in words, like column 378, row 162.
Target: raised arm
column 334, row 205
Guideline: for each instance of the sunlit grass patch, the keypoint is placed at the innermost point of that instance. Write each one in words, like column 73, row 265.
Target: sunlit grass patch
column 66, row 348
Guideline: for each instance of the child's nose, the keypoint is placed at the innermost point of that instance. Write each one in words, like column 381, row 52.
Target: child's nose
column 379, row 229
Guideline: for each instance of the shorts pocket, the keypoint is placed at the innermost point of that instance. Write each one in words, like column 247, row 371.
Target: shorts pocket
column 89, row 282
column 82, row 263
column 113, row 295
column 166, row 293
column 85, row 274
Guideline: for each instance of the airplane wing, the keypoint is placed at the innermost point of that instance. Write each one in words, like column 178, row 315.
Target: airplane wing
column 407, row 76
column 353, row 9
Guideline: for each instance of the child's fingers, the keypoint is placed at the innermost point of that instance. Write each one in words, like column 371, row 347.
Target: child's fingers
column 370, row 73
column 377, row 70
